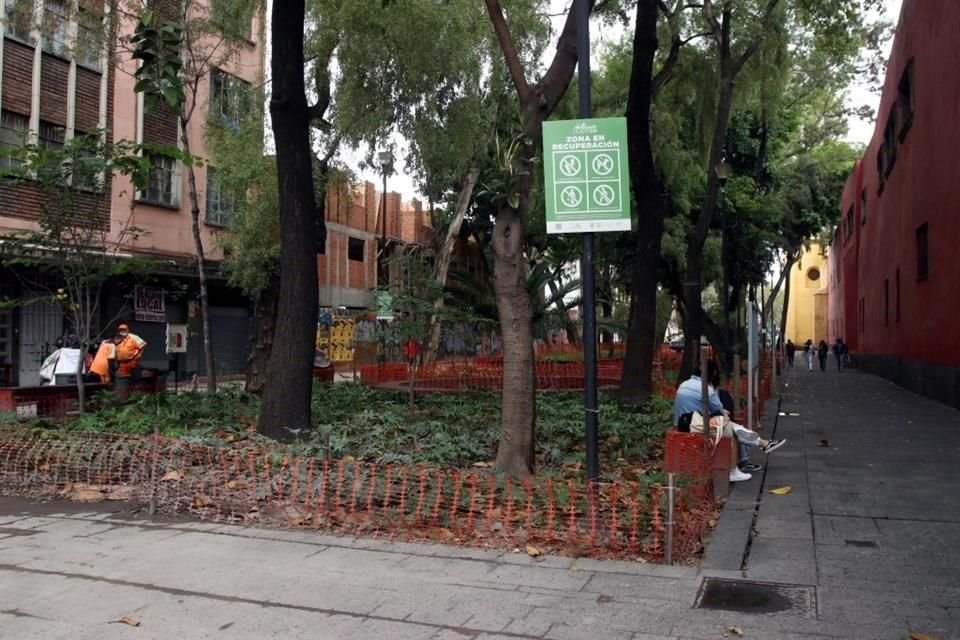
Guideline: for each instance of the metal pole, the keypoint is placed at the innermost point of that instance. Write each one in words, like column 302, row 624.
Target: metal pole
column 725, row 268
column 751, row 358
column 668, row 556
column 591, row 421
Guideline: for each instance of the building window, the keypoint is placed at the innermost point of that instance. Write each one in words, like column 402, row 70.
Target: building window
column 51, row 136
column 355, row 249
column 18, row 19
column 898, row 294
column 221, row 203
column 227, row 97
column 923, row 262
column 54, row 29
column 905, row 102
column 89, row 39
column 13, row 131
column 848, row 226
column 813, row 276
column 234, row 19
column 890, row 142
column 863, row 207
column 162, row 187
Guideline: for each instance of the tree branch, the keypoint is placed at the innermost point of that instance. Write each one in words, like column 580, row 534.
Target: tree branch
column 554, row 83
column 510, row 54
column 710, row 14
column 757, row 39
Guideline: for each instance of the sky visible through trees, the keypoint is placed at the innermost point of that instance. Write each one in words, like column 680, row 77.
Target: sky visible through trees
column 860, row 130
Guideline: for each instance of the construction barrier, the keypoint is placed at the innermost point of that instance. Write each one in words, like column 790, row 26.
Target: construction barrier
column 268, row 486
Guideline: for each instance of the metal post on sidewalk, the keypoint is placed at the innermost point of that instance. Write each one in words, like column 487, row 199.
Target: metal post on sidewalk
column 591, row 418
column 668, row 554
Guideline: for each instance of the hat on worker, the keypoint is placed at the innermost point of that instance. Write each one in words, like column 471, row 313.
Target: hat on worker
column 123, row 325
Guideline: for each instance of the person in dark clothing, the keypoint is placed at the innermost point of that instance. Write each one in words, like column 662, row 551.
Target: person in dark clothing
column 840, row 352
column 822, row 351
column 791, row 351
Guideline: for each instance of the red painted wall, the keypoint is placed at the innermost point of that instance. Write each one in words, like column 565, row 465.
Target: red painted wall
column 923, row 187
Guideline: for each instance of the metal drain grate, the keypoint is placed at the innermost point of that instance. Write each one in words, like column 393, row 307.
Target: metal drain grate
column 745, row 596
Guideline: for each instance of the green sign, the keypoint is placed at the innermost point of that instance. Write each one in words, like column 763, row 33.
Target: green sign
column 587, row 186
column 384, row 305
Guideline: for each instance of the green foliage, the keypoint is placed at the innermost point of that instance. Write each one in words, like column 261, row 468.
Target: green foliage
column 450, row 430
column 75, row 248
column 202, row 417
column 251, row 241
column 156, row 44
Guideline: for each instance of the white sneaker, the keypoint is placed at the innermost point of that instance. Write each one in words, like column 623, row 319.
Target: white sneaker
column 738, row 476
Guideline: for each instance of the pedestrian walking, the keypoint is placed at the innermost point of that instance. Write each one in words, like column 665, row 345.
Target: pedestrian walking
column 791, row 351
column 808, row 354
column 840, row 352
column 822, row 351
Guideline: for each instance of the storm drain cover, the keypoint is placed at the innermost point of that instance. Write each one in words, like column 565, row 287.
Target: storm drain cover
column 745, row 596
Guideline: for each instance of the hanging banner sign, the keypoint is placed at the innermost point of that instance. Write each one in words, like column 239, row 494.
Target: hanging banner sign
column 587, row 186
column 148, row 305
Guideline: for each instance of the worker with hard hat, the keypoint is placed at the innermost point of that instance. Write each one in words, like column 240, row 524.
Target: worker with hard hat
column 129, row 350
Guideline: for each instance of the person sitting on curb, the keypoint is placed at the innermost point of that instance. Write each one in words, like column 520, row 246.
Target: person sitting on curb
column 743, row 457
column 687, row 407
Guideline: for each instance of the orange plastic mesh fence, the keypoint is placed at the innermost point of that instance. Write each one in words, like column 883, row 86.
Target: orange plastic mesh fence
column 267, row 486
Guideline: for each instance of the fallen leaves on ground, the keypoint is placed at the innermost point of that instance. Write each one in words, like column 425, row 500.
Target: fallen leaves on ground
column 532, row 551
column 82, row 492
column 917, row 635
column 737, row 631
column 782, row 491
column 823, row 443
column 127, row 620
column 119, row 493
column 171, row 476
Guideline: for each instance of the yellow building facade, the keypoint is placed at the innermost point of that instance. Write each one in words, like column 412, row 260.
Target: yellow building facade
column 807, row 307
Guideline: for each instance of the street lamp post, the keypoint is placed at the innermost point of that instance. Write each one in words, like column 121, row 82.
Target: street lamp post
column 386, row 168
column 724, row 171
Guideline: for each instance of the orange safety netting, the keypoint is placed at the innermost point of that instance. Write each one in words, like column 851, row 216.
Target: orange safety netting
column 268, row 486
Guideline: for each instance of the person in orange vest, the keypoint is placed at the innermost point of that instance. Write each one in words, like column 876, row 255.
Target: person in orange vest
column 105, row 361
column 129, row 350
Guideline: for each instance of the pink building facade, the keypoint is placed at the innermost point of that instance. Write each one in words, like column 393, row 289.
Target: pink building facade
column 894, row 280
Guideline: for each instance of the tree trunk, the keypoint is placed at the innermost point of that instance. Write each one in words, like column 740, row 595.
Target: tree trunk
column 692, row 316
column 287, row 393
column 261, row 340
column 515, row 454
column 636, row 383
column 783, row 309
column 201, row 262
column 442, row 265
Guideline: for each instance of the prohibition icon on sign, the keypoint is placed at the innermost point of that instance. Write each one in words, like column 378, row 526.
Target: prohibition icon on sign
column 604, row 195
column 571, row 197
column 602, row 164
column 569, row 166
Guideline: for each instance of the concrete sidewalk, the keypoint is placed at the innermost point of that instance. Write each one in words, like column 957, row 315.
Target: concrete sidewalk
column 865, row 546
column 873, row 516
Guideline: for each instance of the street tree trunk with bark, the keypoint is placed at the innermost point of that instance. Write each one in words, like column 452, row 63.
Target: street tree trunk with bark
column 287, row 392
column 729, row 67
column 515, row 454
column 636, row 383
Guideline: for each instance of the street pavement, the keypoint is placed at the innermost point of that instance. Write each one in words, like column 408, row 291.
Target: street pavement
column 865, row 545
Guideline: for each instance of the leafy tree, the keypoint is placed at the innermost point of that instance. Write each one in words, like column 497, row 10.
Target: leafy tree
column 177, row 54
column 74, row 246
column 516, row 451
